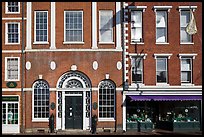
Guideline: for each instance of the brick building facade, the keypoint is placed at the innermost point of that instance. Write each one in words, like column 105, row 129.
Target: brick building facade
column 163, row 66
column 76, row 60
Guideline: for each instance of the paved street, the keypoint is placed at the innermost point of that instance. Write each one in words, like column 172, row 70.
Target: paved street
column 76, row 132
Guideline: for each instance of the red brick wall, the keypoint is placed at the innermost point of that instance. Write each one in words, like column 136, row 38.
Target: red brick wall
column 174, row 47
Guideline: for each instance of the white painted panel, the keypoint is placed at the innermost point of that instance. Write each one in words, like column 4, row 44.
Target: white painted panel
column 10, row 128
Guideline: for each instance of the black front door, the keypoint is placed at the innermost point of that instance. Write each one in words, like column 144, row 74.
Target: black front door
column 73, row 112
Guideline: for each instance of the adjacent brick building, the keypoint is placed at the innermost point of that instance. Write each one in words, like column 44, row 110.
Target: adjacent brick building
column 76, row 60
column 163, row 66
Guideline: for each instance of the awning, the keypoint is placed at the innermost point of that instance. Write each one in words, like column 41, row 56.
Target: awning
column 164, row 97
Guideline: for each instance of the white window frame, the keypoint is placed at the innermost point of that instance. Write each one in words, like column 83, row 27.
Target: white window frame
column 191, row 57
column 102, row 118
column 141, row 39
column 6, row 72
column 108, row 42
column 73, row 42
column 39, row 42
column 184, row 27
column 6, row 33
column 191, row 69
column 166, row 60
column 142, row 57
column 167, row 56
column 6, row 9
column 33, row 118
column 166, row 26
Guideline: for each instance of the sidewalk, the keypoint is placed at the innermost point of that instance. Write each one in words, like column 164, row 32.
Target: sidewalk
column 87, row 132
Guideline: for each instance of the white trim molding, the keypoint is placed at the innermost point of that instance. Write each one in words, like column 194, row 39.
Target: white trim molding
column 118, row 25
column 187, row 8
column 6, row 33
column 6, row 65
column 13, row 18
column 138, row 54
column 187, row 55
column 29, row 26
column 53, row 25
column 162, row 8
column 11, row 51
column 143, row 8
column 40, row 42
column 6, row 9
column 94, row 25
column 162, row 55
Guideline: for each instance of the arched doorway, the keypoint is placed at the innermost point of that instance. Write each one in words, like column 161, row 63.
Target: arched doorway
column 73, row 101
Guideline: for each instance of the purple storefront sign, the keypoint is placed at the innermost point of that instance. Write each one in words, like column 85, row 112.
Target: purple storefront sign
column 163, row 97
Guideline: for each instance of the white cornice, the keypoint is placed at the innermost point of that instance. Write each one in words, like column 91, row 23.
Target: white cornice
column 61, row 50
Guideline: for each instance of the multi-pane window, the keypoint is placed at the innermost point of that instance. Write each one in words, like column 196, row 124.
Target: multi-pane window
column 73, row 26
column 107, row 99
column 41, row 97
column 10, row 113
column 161, row 26
column 41, row 26
column 12, row 7
column 12, row 33
column 184, row 20
column 12, row 69
column 137, row 69
column 136, row 26
column 186, row 70
column 161, row 70
column 106, row 26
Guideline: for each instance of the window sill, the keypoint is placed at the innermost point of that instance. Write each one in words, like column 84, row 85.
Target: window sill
column 162, row 43
column 12, row 43
column 162, row 84
column 40, row 120
column 106, row 119
column 187, row 84
column 106, row 43
column 40, row 43
column 140, row 43
column 134, row 85
column 12, row 12
column 73, row 42
column 12, row 80
column 189, row 43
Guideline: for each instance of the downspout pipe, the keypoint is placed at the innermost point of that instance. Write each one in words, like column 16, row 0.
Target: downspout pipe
column 22, row 72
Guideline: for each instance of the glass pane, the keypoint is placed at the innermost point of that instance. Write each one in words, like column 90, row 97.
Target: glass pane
column 161, row 64
column 161, row 76
column 186, row 77
column 161, row 19
column 161, row 35
column 185, row 18
column 106, row 35
column 136, row 33
column 185, row 37
column 185, row 65
column 136, row 18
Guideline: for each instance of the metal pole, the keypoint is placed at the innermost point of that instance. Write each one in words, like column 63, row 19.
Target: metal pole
column 22, row 70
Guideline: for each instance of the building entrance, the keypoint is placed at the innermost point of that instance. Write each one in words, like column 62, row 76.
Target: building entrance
column 73, row 112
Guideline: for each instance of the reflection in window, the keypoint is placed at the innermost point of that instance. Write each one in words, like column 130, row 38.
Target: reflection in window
column 106, row 26
column 186, row 70
column 136, row 25
column 137, row 69
column 161, row 26
column 161, row 70
column 184, row 20
column 106, row 99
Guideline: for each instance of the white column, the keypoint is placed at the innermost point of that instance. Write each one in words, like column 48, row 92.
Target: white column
column 94, row 25
column 63, row 110
column 52, row 45
column 124, row 112
column 29, row 26
column 118, row 26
